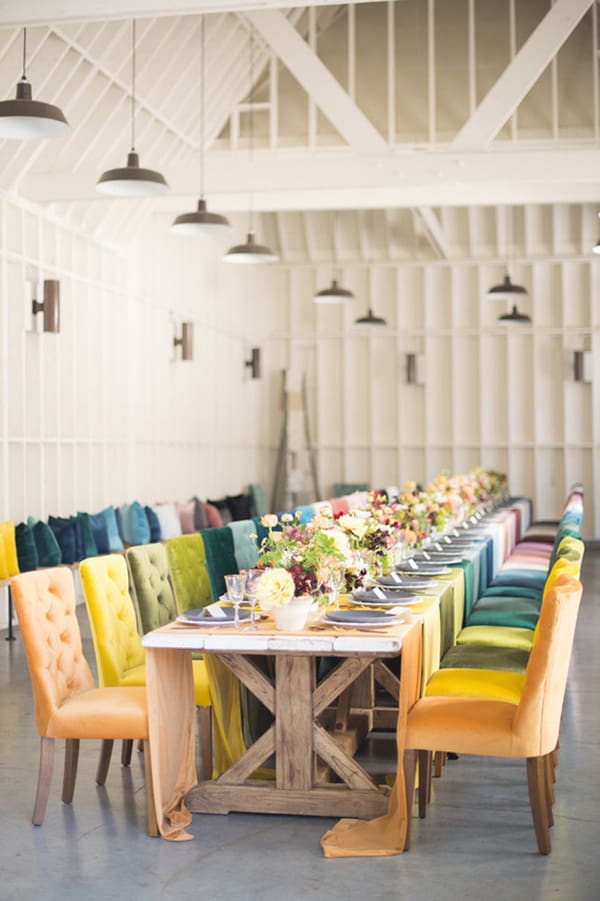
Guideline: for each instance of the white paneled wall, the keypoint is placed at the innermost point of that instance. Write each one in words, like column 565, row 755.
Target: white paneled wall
column 491, row 395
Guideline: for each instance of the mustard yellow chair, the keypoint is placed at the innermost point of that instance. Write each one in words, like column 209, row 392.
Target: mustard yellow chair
column 525, row 725
column 120, row 655
column 67, row 705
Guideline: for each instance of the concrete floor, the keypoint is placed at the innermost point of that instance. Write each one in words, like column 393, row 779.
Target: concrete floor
column 476, row 843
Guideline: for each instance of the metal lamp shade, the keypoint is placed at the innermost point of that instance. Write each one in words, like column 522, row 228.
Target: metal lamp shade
column 506, row 290
column 25, row 118
column 132, row 181
column 334, row 294
column 250, row 253
column 514, row 317
column 200, row 223
column 370, row 319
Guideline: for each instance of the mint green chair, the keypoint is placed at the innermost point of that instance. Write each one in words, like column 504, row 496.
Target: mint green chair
column 244, row 543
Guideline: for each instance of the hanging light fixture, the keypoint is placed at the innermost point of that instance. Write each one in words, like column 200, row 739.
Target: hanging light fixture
column 250, row 252
column 131, row 180
column 201, row 223
column 507, row 290
column 514, row 317
column 24, row 117
column 334, row 293
column 370, row 318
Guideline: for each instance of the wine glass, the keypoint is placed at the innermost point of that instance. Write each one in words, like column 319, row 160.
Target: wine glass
column 335, row 584
column 252, row 579
column 236, row 586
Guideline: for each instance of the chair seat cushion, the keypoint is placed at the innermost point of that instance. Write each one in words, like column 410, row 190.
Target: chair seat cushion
column 513, row 592
column 476, row 683
column 135, row 525
column 27, row 554
column 466, row 725
column 499, row 636
column 48, row 548
column 102, row 713
column 478, row 656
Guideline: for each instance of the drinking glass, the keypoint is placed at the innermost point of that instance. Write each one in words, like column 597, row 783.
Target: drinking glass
column 252, row 579
column 335, row 584
column 236, row 586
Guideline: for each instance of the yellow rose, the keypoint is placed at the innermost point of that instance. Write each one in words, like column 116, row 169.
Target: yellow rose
column 275, row 589
column 353, row 524
column 269, row 520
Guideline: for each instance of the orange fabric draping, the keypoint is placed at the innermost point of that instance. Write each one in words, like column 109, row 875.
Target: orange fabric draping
column 385, row 835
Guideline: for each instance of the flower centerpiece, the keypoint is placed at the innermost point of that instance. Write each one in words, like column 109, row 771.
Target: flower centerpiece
column 299, row 559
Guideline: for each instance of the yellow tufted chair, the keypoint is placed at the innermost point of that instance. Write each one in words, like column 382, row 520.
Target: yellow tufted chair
column 120, row 655
column 67, row 704
column 525, row 725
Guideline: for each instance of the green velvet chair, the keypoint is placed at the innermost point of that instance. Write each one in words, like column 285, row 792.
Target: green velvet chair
column 155, row 606
column 244, row 543
column 189, row 575
column 220, row 557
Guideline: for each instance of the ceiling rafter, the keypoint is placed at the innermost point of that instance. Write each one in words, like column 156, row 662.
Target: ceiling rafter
column 318, row 82
column 522, row 73
column 433, row 231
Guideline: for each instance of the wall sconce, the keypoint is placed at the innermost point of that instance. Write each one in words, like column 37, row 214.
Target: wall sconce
column 50, row 306
column 582, row 366
column 186, row 342
column 253, row 363
column 414, row 367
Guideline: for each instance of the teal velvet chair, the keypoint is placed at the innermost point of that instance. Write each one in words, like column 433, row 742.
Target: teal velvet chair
column 220, row 557
column 244, row 543
column 259, row 500
column 189, row 575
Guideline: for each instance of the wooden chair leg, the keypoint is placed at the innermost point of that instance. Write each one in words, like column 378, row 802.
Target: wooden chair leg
column 126, row 751
column 425, row 759
column 538, row 799
column 44, row 780
column 440, row 760
column 410, row 764
column 150, row 807
column 550, row 798
column 71, row 761
column 205, row 729
column 104, row 762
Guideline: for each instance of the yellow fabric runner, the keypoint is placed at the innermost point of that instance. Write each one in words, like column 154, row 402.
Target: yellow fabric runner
column 228, row 740
column 385, row 835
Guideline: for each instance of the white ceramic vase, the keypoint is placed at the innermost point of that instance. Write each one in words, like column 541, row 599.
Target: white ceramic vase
column 292, row 617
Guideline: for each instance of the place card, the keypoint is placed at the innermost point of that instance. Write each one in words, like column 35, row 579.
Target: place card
column 396, row 578
column 216, row 611
column 449, row 540
column 412, row 564
column 379, row 593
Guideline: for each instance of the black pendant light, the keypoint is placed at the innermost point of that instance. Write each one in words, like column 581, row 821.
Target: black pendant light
column 596, row 247
column 131, row 180
column 201, row 223
column 250, row 253
column 334, row 293
column 507, row 289
column 370, row 319
column 514, row 317
column 24, row 118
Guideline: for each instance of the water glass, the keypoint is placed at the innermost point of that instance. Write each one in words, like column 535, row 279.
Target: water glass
column 236, row 586
column 253, row 577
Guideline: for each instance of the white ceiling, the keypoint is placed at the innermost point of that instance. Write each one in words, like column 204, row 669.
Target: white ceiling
column 418, row 118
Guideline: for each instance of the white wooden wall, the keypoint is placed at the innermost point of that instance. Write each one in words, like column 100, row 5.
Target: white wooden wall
column 502, row 397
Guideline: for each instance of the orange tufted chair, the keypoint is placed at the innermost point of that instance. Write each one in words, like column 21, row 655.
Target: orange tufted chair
column 67, row 704
column 526, row 726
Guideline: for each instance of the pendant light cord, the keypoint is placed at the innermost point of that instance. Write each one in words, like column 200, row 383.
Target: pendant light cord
column 251, row 122
column 202, row 104
column 133, row 86
column 508, row 241
column 24, row 75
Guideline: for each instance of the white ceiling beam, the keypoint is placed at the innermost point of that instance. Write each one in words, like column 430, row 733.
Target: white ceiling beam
column 288, row 174
column 41, row 12
column 522, row 73
column 318, row 82
column 433, row 231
